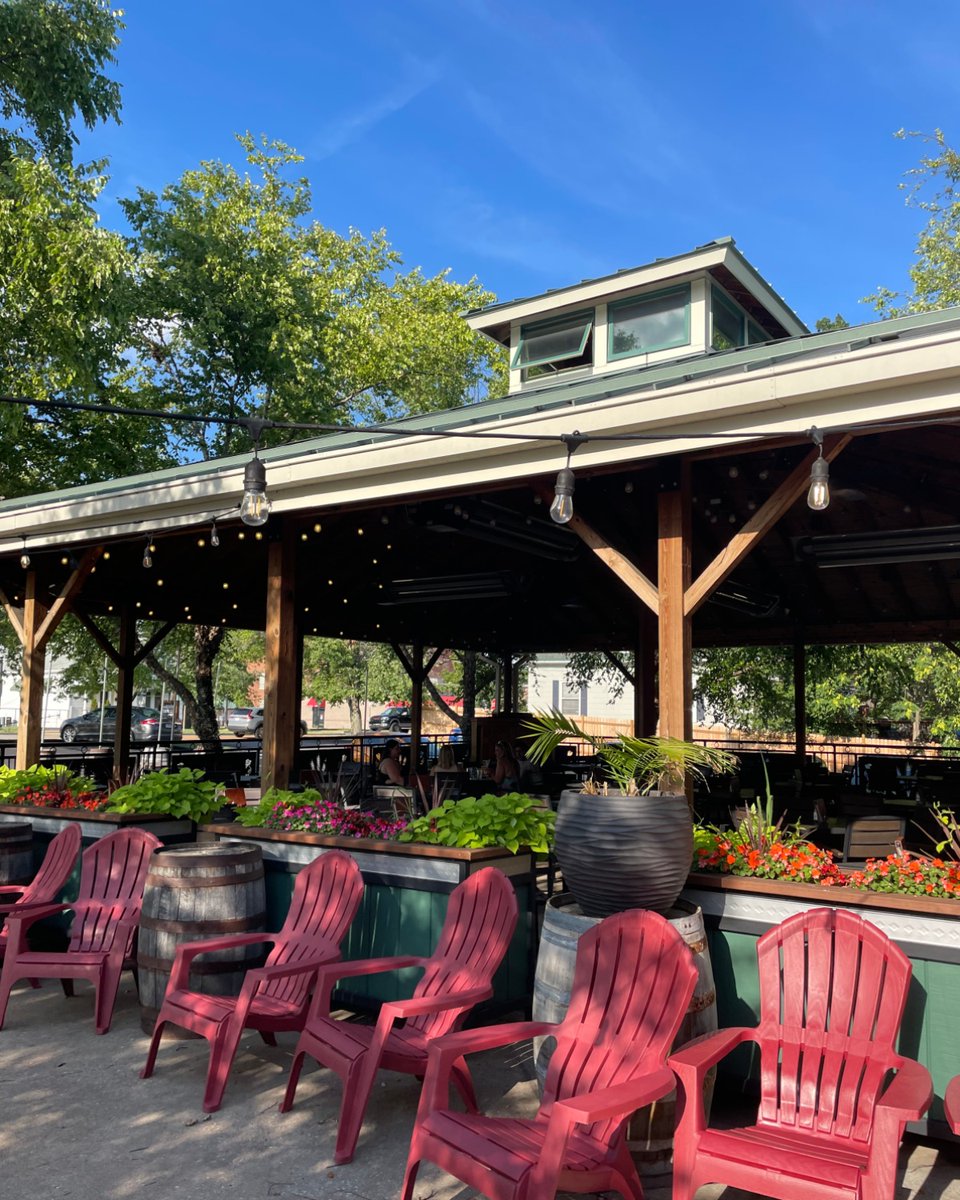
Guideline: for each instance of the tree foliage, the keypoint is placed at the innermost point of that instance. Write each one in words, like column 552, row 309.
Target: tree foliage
column 353, row 673
column 935, row 274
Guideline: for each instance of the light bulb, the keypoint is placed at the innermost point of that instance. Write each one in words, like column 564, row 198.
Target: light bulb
column 147, row 557
column 561, row 510
column 254, row 507
column 24, row 560
column 818, row 496
column 214, row 536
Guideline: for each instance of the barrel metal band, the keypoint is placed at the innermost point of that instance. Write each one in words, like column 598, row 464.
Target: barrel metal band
column 251, row 924
column 204, row 881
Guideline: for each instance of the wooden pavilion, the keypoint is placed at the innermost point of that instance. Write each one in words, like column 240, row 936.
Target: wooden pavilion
column 691, row 524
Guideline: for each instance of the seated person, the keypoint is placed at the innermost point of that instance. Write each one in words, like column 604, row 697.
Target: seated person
column 505, row 771
column 388, row 769
column 446, row 764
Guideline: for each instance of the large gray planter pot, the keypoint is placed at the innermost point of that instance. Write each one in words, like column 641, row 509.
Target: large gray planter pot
column 618, row 852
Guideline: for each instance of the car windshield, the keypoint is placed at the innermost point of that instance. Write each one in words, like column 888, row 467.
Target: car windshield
column 148, row 712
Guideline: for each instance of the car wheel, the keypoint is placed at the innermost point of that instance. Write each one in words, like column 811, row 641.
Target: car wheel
column 394, row 726
column 258, row 730
column 303, row 729
column 238, row 733
column 68, row 734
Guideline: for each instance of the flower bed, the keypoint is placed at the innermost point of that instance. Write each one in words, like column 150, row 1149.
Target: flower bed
column 50, row 787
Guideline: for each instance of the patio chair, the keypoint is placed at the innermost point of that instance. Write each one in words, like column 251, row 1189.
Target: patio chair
column 274, row 997
column 632, row 983
column 46, row 885
column 829, row 1125
column 951, row 1103
column 106, row 914
column 872, row 837
column 481, row 917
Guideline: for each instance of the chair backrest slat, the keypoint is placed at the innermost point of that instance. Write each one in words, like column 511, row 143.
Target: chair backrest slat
column 113, row 872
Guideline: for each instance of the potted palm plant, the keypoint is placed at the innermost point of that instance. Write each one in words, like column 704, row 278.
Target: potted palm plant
column 626, row 840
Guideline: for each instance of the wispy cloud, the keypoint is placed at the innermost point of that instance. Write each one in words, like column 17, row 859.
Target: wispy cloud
column 350, row 127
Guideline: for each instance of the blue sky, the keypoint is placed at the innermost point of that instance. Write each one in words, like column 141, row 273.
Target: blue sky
column 538, row 142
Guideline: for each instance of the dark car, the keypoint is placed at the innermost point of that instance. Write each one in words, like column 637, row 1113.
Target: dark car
column 395, row 718
column 255, row 724
column 146, row 725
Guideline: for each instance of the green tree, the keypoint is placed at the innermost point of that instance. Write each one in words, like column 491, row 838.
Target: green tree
column 825, row 324
column 52, row 59
column 935, row 273
column 352, row 672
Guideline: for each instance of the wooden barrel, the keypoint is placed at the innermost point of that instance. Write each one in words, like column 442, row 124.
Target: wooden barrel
column 16, row 852
column 650, row 1131
column 194, row 893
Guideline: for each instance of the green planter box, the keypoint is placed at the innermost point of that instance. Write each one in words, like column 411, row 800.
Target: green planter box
column 406, row 887
column 737, row 911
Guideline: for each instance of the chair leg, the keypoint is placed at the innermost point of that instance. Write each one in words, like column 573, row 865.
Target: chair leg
column 268, row 1037
column 295, row 1068
column 357, row 1087
column 8, row 978
column 624, row 1175
column 34, row 983
column 223, row 1048
column 67, row 985
column 106, row 997
column 154, row 1047
column 409, row 1178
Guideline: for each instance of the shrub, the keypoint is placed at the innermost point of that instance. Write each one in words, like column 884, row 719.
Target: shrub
column 309, row 812
column 510, row 821
column 910, row 874
column 49, row 787
column 183, row 794
column 798, row 862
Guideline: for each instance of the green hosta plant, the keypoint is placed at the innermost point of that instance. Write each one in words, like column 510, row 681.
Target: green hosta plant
column 510, row 821
column 183, row 794
column 633, row 765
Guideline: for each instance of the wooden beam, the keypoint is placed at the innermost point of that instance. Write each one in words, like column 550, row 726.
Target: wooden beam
column 676, row 654
column 125, row 669
column 800, row 695
column 628, row 574
column 645, row 671
column 149, row 646
column 64, row 601
column 30, row 727
column 281, row 708
column 759, row 525
column 98, row 636
column 14, row 615
column 621, row 666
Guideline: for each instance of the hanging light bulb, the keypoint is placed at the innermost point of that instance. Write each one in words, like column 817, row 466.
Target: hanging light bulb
column 214, row 536
column 818, row 495
column 147, row 554
column 561, row 510
column 254, row 507
column 24, row 557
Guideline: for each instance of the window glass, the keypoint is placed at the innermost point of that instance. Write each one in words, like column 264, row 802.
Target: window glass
column 653, row 322
column 755, row 334
column 555, row 345
column 728, row 324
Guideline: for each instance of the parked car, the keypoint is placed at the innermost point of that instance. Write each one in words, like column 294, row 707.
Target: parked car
column 255, row 724
column 238, row 719
column 101, row 725
column 395, row 718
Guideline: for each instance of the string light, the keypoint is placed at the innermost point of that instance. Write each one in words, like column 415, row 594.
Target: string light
column 214, row 535
column 148, row 554
column 818, row 495
column 255, row 506
column 561, row 510
column 24, row 557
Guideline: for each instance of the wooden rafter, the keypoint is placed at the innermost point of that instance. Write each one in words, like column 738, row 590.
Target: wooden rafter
column 621, row 666
column 14, row 615
column 759, row 525
column 62, row 605
column 618, row 563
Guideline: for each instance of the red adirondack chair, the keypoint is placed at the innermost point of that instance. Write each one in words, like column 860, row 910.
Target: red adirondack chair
column 105, row 918
column 273, row 998
column 632, row 983
column 832, row 993
column 46, row 885
column 480, row 920
column 951, row 1103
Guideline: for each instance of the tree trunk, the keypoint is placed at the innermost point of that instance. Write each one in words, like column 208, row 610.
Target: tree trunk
column 469, row 660
column 207, row 639
column 355, row 709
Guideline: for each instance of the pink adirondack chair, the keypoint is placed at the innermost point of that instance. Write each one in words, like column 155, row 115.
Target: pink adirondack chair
column 480, row 920
column 46, row 885
column 951, row 1103
column 106, row 913
column 632, row 983
column 832, row 993
column 274, row 997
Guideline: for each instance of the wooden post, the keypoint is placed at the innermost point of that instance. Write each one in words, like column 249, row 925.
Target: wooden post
column 800, row 695
column 645, row 676
column 281, row 700
column 416, row 709
column 30, row 729
column 126, row 663
column 676, row 650
column 506, row 683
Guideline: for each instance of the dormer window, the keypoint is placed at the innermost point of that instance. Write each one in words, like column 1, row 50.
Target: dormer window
column 728, row 323
column 561, row 344
column 655, row 321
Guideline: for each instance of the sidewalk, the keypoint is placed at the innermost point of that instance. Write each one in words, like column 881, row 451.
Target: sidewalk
column 80, row 1123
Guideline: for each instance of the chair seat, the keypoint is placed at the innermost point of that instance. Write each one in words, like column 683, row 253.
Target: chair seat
column 786, row 1152
column 219, row 1008
column 349, row 1041
column 508, row 1145
column 75, row 958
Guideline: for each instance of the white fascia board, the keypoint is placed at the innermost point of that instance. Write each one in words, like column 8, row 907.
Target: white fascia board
column 570, row 298
column 889, row 381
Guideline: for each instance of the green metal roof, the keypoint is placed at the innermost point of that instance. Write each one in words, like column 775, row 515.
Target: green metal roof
column 573, row 394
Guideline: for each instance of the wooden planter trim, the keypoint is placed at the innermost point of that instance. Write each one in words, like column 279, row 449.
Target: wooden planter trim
column 403, row 849
column 830, row 896
column 83, row 814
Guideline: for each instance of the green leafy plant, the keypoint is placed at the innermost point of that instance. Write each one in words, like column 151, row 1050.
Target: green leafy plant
column 52, row 780
column 183, row 794
column 634, row 765
column 510, row 821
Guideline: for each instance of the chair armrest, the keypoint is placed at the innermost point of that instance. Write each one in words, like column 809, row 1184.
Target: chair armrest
column 469, row 1041
column 306, row 966
column 9, row 889
column 28, row 913
column 951, row 1102
column 373, row 966
column 188, row 951
column 619, row 1100
column 908, row 1096
column 400, row 1009
column 698, row 1056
